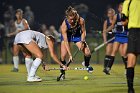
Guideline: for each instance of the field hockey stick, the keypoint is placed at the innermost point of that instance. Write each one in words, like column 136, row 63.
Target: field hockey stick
column 58, row 78
column 77, row 68
column 102, row 45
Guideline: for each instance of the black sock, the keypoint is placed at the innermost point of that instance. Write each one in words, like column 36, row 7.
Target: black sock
column 130, row 77
column 125, row 61
column 87, row 59
column 111, row 61
column 63, row 62
column 106, row 60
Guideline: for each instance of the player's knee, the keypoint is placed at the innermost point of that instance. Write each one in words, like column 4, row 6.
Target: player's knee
column 15, row 51
column 114, row 52
column 87, row 52
column 39, row 55
column 124, row 53
column 130, row 64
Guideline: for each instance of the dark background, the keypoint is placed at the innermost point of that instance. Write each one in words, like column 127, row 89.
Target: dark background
column 51, row 12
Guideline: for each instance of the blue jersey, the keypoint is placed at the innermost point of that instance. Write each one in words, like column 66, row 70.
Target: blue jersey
column 73, row 34
column 120, row 30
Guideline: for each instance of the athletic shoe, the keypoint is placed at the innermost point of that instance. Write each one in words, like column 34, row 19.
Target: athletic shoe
column 62, row 77
column 34, row 79
column 106, row 71
column 131, row 90
column 37, row 77
column 14, row 70
column 89, row 68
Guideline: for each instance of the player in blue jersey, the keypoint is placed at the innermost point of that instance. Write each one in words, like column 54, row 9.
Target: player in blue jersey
column 108, row 35
column 120, row 43
column 73, row 30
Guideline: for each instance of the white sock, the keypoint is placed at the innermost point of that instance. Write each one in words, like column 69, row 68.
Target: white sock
column 28, row 63
column 15, row 61
column 34, row 67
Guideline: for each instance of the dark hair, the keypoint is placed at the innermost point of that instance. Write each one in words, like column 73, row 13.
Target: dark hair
column 120, row 4
column 19, row 10
column 70, row 11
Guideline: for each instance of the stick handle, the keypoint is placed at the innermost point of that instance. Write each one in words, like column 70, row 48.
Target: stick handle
column 103, row 44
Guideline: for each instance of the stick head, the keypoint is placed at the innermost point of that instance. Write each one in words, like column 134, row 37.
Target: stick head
column 45, row 67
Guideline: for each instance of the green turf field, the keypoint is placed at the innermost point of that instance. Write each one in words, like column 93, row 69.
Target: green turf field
column 11, row 82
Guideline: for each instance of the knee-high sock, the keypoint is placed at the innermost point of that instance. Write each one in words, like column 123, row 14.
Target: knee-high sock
column 16, row 61
column 125, row 61
column 28, row 63
column 87, row 59
column 110, row 62
column 106, row 60
column 63, row 62
column 34, row 67
column 130, row 77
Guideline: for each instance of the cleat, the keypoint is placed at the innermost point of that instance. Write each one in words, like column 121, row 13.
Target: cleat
column 14, row 70
column 58, row 79
column 34, row 79
column 90, row 69
column 106, row 71
column 37, row 77
column 62, row 77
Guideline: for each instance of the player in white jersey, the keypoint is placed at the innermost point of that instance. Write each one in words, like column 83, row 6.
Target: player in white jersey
column 31, row 45
column 20, row 25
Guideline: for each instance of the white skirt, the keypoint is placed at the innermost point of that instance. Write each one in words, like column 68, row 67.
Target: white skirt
column 25, row 37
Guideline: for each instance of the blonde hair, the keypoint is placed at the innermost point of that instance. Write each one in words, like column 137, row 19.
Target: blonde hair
column 111, row 9
column 71, row 12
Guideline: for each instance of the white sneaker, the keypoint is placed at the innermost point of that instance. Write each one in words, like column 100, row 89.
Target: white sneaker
column 34, row 79
column 37, row 77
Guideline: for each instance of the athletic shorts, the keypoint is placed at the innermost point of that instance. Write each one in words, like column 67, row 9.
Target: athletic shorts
column 134, row 41
column 121, row 39
column 72, row 39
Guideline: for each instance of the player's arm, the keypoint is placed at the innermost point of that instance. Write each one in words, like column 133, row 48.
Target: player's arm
column 104, row 32
column 64, row 34
column 26, row 25
column 83, row 35
column 83, row 29
column 124, row 20
column 112, row 25
column 124, row 23
column 50, row 43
